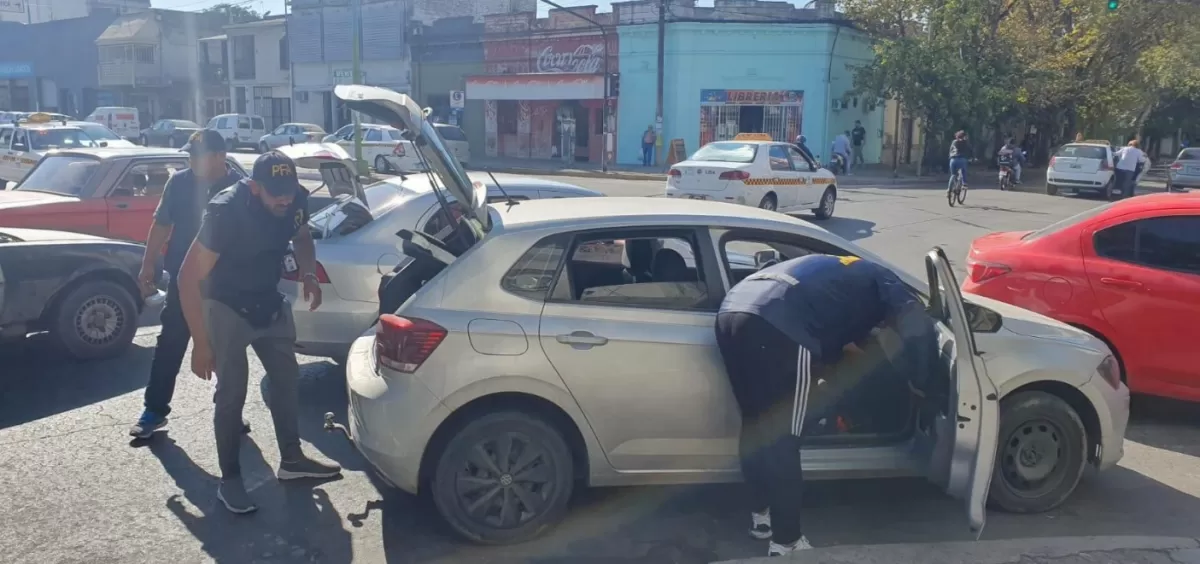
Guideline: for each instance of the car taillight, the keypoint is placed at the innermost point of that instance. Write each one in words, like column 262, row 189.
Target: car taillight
column 735, row 175
column 399, row 150
column 1105, row 165
column 1052, row 159
column 403, row 344
column 983, row 271
column 674, row 172
column 1110, row 370
column 1176, row 166
column 322, row 276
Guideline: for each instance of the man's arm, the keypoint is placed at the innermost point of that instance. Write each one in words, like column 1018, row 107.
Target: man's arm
column 306, row 261
column 214, row 237
column 156, row 239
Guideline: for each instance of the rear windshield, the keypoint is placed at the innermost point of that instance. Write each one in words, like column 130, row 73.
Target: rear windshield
column 727, row 152
column 382, row 197
column 451, row 133
column 1189, row 155
column 1082, row 151
column 1075, row 219
column 45, row 139
column 99, row 132
column 60, row 174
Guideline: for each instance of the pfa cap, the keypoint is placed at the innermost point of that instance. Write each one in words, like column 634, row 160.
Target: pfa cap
column 205, row 141
column 276, row 172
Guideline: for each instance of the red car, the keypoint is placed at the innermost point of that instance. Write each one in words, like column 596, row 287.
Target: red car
column 1127, row 272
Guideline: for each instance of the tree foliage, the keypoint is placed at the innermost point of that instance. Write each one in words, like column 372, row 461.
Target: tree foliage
column 233, row 13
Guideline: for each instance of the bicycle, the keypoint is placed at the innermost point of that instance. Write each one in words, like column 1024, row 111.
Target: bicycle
column 958, row 189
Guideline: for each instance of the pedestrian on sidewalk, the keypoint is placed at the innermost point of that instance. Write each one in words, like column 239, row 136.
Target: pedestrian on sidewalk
column 1129, row 161
column 176, row 222
column 228, row 287
column 858, row 135
column 648, row 140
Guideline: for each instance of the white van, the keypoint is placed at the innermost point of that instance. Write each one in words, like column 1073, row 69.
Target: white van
column 239, row 130
column 122, row 121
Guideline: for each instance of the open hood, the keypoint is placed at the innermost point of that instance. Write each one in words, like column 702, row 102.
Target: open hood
column 333, row 162
column 401, row 112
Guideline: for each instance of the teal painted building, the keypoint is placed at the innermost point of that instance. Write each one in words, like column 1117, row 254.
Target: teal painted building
column 725, row 77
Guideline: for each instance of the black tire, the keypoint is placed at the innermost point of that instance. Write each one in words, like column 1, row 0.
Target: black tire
column 951, row 195
column 769, row 203
column 826, row 206
column 1051, row 190
column 457, row 478
column 381, row 165
column 962, row 193
column 263, row 148
column 1032, row 424
column 94, row 320
column 143, row 141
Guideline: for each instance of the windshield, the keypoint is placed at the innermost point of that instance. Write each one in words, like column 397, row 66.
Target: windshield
column 42, row 139
column 60, row 174
column 382, row 197
column 1081, row 151
column 723, row 152
column 99, row 132
column 1073, row 220
column 1189, row 155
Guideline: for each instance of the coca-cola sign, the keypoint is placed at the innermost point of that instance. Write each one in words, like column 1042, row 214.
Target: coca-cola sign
column 587, row 58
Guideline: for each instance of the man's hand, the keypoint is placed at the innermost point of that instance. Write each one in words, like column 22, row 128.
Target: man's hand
column 202, row 360
column 851, row 348
column 146, row 279
column 312, row 292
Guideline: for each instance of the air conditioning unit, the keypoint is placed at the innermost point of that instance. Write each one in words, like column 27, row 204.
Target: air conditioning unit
column 838, row 104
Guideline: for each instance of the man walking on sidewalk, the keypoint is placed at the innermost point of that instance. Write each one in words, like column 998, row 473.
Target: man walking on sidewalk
column 648, row 140
column 857, row 136
column 228, row 288
column 176, row 222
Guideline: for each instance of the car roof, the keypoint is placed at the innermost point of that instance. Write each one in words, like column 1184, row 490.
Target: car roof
column 1087, row 144
column 419, row 183
column 599, row 212
column 1156, row 201
column 119, row 152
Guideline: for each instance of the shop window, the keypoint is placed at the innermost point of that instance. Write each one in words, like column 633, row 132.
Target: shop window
column 506, row 117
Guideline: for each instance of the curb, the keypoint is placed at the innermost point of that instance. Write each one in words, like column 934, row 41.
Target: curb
column 1011, row 551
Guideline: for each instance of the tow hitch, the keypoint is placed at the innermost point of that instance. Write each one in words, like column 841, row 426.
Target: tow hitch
column 333, row 426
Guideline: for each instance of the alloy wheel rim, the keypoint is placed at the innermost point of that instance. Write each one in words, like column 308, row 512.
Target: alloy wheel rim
column 829, row 203
column 99, row 320
column 505, row 481
column 768, row 204
column 1032, row 456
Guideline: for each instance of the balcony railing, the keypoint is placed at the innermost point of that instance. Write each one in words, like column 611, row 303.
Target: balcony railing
column 214, row 74
column 127, row 73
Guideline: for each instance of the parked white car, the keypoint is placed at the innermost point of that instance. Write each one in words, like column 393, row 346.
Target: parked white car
column 456, row 141
column 356, row 241
column 1078, row 167
column 384, row 147
column 290, row 134
column 752, row 170
column 239, row 130
column 102, row 134
column 516, row 368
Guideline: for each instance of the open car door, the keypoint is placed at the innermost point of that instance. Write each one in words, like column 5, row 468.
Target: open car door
column 966, row 433
column 333, row 162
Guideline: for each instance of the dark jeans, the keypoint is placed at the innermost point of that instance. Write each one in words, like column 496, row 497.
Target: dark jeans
column 1123, row 184
column 647, row 154
column 957, row 164
column 858, row 155
column 168, row 354
column 762, row 366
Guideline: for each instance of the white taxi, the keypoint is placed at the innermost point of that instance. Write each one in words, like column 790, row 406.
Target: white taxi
column 24, row 143
column 754, row 170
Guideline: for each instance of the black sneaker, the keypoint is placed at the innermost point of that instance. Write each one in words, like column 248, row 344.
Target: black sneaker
column 233, row 495
column 147, row 424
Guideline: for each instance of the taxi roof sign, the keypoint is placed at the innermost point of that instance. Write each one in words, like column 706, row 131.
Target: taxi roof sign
column 39, row 117
column 753, row 137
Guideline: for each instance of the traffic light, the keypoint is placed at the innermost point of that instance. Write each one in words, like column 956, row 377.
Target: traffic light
column 1113, row 5
column 614, row 85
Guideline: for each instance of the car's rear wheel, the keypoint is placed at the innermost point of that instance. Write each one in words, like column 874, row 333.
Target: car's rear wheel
column 769, row 203
column 503, row 478
column 381, row 165
column 824, row 209
column 1051, row 189
column 96, row 319
column 1042, row 453
column 143, row 141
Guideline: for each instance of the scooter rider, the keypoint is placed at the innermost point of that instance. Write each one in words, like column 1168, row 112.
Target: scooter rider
column 1013, row 156
column 803, row 147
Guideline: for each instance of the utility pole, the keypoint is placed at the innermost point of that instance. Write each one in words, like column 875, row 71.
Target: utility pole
column 658, row 114
column 607, row 74
column 356, row 72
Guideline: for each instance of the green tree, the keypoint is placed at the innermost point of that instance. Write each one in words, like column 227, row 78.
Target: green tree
column 233, row 13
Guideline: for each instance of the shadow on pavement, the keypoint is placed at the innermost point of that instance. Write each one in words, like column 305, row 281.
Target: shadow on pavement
column 1167, row 424
column 848, row 228
column 38, row 381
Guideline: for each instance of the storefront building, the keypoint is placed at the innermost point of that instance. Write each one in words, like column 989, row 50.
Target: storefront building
column 543, row 87
column 723, row 78
column 57, row 75
column 444, row 54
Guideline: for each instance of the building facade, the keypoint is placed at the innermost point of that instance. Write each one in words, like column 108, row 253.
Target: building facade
column 42, row 11
column 260, row 70
column 444, row 53
column 38, row 73
column 543, row 87
column 724, row 77
column 214, row 78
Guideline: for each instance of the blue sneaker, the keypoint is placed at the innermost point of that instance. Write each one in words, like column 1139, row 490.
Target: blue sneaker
column 147, row 424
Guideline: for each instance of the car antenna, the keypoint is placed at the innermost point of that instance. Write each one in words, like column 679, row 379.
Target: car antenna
column 507, row 199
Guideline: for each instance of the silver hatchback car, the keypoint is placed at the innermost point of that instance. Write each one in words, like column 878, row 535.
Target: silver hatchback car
column 1185, row 171
column 567, row 343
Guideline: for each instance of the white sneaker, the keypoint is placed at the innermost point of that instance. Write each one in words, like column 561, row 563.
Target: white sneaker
column 760, row 525
column 776, row 549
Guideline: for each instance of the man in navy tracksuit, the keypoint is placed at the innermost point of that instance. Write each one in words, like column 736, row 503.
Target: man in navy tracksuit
column 773, row 328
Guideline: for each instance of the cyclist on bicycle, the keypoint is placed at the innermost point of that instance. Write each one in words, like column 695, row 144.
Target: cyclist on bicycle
column 960, row 152
column 1012, row 156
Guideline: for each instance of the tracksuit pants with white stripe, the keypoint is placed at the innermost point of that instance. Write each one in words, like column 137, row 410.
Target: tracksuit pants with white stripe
column 770, row 375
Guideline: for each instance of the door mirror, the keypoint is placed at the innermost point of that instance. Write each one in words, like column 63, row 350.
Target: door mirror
column 765, row 258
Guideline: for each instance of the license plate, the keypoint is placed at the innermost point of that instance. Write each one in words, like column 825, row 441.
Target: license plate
column 289, row 264
column 1193, row 170
column 1076, row 166
column 696, row 197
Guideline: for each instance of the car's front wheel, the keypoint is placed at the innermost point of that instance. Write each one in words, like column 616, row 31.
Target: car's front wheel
column 96, row 319
column 824, row 210
column 1042, row 453
column 263, row 148
column 503, row 478
column 143, row 141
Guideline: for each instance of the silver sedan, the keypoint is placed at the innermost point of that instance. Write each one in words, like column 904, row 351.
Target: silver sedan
column 1185, row 171
column 290, row 134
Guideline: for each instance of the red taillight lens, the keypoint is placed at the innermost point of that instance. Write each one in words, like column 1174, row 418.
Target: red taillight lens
column 984, row 271
column 399, row 150
column 322, row 276
column 1052, row 159
column 403, row 344
column 674, row 172
column 735, row 175
column 1176, row 166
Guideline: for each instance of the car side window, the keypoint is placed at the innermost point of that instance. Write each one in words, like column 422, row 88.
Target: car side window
column 779, row 158
column 451, row 133
column 532, row 275
column 243, row 123
column 395, row 135
column 19, row 142
column 1171, row 243
column 1118, row 242
column 744, row 252
column 6, row 136
column 801, row 162
column 223, row 124
column 374, row 135
column 281, row 130
column 656, row 269
column 147, row 178
column 257, row 123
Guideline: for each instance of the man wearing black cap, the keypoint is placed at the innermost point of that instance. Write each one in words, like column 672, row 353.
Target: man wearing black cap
column 176, row 222
column 228, row 288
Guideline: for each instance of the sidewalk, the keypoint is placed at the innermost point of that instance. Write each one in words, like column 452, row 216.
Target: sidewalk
column 1055, row 550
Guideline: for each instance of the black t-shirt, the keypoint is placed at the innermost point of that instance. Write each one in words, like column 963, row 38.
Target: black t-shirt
column 181, row 207
column 858, row 135
column 251, row 242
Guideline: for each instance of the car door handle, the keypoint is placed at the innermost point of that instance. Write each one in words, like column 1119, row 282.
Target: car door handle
column 1128, row 284
column 122, row 206
column 582, row 339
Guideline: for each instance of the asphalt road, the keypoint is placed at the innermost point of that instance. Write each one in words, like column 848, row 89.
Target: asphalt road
column 73, row 488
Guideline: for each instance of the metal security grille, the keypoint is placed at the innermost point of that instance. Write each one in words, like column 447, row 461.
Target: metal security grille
column 724, row 121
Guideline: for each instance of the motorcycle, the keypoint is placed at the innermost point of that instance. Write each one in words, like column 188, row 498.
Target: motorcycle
column 837, row 164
